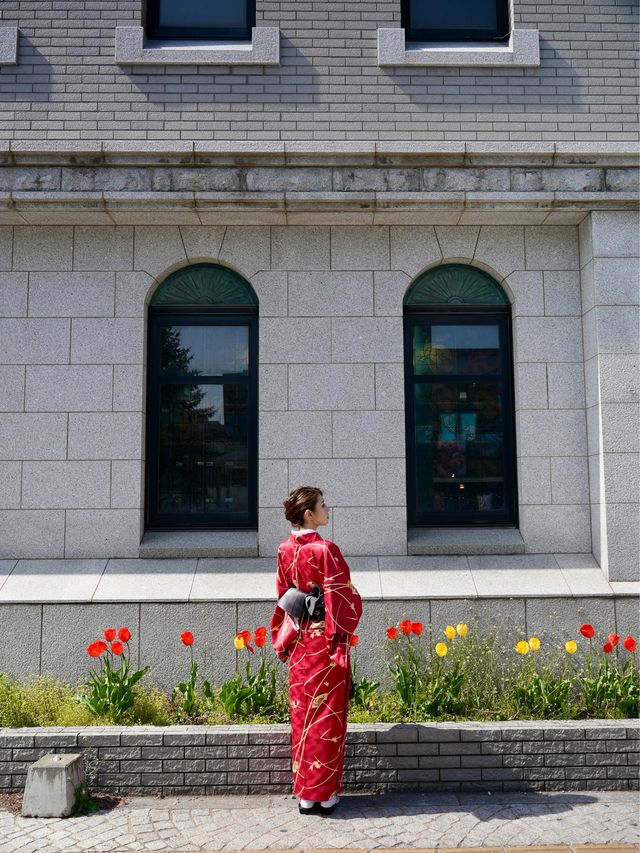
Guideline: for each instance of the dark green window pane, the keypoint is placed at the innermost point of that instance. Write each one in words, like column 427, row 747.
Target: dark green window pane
column 204, row 284
column 459, row 447
column 203, row 457
column 204, row 350
column 455, row 284
column 203, row 13
column 453, row 15
column 464, row 348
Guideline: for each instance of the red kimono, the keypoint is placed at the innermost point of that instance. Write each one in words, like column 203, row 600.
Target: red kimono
column 319, row 664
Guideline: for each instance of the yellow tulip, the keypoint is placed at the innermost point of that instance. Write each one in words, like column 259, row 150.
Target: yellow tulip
column 238, row 643
column 462, row 629
column 534, row 644
column 571, row 646
column 449, row 632
column 441, row 649
column 522, row 647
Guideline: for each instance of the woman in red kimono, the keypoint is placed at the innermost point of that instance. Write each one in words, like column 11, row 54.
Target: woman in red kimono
column 319, row 658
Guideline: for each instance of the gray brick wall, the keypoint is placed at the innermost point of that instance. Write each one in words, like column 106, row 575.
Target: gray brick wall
column 328, row 85
column 594, row 755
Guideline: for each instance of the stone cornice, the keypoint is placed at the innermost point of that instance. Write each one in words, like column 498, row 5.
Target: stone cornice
column 313, row 182
column 372, row 154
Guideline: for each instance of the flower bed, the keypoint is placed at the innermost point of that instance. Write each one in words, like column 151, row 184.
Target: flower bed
column 506, row 756
column 468, row 677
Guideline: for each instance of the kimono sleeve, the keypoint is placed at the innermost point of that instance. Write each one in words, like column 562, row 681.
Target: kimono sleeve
column 282, row 581
column 342, row 603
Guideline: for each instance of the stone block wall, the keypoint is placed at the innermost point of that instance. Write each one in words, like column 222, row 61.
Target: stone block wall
column 593, row 755
column 610, row 274
column 72, row 408
column 328, row 84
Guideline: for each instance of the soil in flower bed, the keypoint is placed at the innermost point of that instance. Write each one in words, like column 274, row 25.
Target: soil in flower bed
column 12, row 803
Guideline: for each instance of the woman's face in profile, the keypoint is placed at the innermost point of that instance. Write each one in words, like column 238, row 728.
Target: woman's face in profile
column 320, row 514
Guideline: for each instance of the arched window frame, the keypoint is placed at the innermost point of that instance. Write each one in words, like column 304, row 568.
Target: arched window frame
column 202, row 310
column 458, row 312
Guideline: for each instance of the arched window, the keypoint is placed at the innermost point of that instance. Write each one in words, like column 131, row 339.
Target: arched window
column 459, row 392
column 202, row 400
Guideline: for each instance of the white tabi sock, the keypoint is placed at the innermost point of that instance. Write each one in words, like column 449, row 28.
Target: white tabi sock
column 326, row 804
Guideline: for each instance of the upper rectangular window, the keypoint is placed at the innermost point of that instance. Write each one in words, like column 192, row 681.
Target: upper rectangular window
column 473, row 20
column 200, row 19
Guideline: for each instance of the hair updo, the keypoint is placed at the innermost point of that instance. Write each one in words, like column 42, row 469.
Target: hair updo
column 299, row 501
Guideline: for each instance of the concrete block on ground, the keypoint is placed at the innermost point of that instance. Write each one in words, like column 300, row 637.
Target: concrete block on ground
column 51, row 787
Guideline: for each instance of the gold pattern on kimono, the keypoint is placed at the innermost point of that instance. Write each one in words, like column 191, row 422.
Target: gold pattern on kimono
column 319, row 700
column 296, row 767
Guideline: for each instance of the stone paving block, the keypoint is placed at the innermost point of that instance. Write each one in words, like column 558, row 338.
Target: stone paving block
column 133, row 289
column 42, row 248
column 300, row 248
column 330, row 294
column 360, row 248
column 13, row 294
column 68, row 388
column 103, row 248
column 366, row 339
column 389, row 289
column 71, row 294
column 35, row 341
column 295, row 340
column 107, row 341
column 20, row 627
column 338, row 387
column 158, row 249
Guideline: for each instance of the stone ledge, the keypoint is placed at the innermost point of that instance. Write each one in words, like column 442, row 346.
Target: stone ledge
column 453, row 756
column 8, row 45
column 199, row 543
column 465, row 540
column 304, row 153
column 308, row 208
column 263, row 49
column 526, row 577
column 521, row 51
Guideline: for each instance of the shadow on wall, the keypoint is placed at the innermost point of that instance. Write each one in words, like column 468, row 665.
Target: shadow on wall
column 30, row 79
column 474, row 90
column 295, row 81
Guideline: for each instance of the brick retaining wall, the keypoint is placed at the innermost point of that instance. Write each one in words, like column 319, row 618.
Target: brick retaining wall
column 506, row 756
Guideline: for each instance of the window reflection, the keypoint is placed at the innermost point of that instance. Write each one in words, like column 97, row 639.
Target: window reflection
column 465, row 349
column 203, row 458
column 204, row 350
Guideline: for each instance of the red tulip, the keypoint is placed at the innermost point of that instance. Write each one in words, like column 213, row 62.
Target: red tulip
column 392, row 633
column 405, row 626
column 259, row 640
column 587, row 631
column 416, row 628
column 124, row 635
column 187, row 638
column 630, row 644
column 117, row 648
column 101, row 645
column 93, row 650
column 608, row 648
column 355, row 640
column 246, row 636
column 110, row 634
column 614, row 639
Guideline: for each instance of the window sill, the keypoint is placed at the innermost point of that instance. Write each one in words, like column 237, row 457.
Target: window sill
column 263, row 49
column 8, row 45
column 521, row 51
column 199, row 543
column 464, row 540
